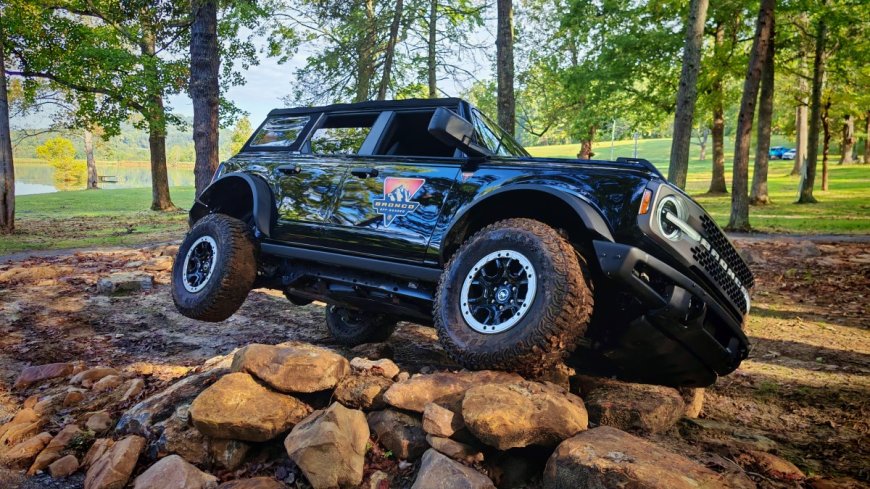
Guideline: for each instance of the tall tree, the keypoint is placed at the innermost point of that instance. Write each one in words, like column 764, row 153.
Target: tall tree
column 431, row 52
column 391, row 51
column 758, row 194
column 91, row 159
column 687, row 94
column 848, row 144
column 801, row 122
column 826, row 141
column 7, row 170
column 807, row 183
column 504, row 47
column 204, row 90
column 867, row 138
column 739, row 220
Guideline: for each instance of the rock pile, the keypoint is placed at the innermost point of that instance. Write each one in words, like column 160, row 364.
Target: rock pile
column 300, row 410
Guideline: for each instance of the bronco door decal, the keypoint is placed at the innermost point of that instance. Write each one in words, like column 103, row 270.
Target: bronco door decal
column 398, row 193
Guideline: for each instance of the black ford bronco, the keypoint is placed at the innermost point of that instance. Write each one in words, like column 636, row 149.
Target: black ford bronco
column 426, row 211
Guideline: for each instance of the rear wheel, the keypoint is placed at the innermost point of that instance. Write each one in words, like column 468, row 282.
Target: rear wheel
column 515, row 296
column 353, row 327
column 214, row 269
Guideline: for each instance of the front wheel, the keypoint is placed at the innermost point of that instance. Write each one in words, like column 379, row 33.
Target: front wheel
column 214, row 269
column 352, row 327
column 515, row 296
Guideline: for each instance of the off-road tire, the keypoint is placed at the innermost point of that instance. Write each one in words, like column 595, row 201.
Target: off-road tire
column 370, row 328
column 557, row 318
column 233, row 273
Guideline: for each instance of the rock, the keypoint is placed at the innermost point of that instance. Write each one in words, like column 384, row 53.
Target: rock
column 33, row 273
column 48, row 405
column 97, row 450
column 362, row 391
column 26, row 424
column 608, row 457
column 439, row 472
column 455, row 450
column 22, row 454
column 255, row 483
column 113, row 469
column 443, row 387
column 142, row 418
column 159, row 264
column 179, row 437
column 107, row 383
column 771, row 466
column 292, row 367
column 525, row 413
column 73, row 398
column 634, row 407
column 133, row 388
column 693, row 397
column 87, row 378
column 403, row 376
column 53, row 450
column 379, row 480
column 374, row 351
column 63, row 467
column 228, row 454
column 836, row 483
column 30, row 402
column 440, row 421
column 383, row 367
column 124, row 282
column 329, row 446
column 804, row 249
column 718, row 434
column 40, row 373
column 238, row 408
column 173, row 472
column 560, row 374
column 99, row 422
column 399, row 433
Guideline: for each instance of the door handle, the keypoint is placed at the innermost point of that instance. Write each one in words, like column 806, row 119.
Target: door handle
column 364, row 172
column 290, row 169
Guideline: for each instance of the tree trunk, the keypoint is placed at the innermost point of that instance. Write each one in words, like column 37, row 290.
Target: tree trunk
column 800, row 156
column 431, row 59
column 826, row 141
column 504, row 48
column 848, row 144
column 807, row 183
column 7, row 170
column 366, row 63
column 867, row 139
column 702, row 143
column 687, row 93
column 92, row 162
column 758, row 195
column 391, row 49
column 204, row 91
column 717, row 183
column 739, row 220
column 156, row 117
column 586, row 144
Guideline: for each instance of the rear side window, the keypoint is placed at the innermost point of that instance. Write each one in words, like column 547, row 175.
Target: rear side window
column 279, row 132
column 340, row 134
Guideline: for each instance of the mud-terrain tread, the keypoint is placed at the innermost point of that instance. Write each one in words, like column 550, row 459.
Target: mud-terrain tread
column 379, row 329
column 240, row 262
column 562, row 325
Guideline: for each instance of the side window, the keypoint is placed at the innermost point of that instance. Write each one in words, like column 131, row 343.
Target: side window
column 486, row 136
column 341, row 134
column 408, row 135
column 495, row 138
column 279, row 131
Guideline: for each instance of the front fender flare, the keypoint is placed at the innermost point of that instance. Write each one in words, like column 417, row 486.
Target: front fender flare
column 224, row 195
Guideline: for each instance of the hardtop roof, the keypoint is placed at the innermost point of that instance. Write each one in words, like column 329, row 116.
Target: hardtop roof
column 373, row 105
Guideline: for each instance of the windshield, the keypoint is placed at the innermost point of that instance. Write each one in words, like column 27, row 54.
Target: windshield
column 495, row 138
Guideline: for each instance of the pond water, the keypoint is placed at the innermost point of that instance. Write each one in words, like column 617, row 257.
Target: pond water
column 41, row 178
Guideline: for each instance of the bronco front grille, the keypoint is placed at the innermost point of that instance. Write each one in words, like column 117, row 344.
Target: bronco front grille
column 714, row 269
column 726, row 250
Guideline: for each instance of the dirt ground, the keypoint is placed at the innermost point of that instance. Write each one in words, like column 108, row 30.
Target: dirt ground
column 806, row 385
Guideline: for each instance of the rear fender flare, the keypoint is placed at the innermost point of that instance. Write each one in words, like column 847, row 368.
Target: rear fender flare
column 229, row 194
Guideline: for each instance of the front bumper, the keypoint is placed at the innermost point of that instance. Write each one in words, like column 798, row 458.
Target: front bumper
column 684, row 335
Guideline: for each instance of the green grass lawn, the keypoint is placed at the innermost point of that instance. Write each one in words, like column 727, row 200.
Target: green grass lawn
column 843, row 209
column 84, row 218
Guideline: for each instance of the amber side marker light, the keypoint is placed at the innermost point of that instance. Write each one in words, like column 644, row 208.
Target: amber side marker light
column 645, row 201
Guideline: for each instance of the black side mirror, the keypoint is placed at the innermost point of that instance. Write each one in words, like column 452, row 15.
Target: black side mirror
column 456, row 132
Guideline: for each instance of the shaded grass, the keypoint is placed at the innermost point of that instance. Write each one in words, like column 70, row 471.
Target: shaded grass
column 843, row 209
column 85, row 218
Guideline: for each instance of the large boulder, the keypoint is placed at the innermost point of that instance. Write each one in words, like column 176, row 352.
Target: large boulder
column 362, row 391
column 442, row 387
column 522, row 414
column 253, row 483
column 292, row 367
column 125, row 282
column 634, row 407
column 40, row 373
column 329, row 446
column 63, row 467
column 173, row 472
column 399, row 433
column 22, row 454
column 440, row 472
column 608, row 457
column 54, row 448
column 112, row 470
column 238, row 408
column 383, row 367
column 26, row 424
column 178, row 436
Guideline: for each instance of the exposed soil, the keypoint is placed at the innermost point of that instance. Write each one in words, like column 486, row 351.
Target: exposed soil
column 806, row 384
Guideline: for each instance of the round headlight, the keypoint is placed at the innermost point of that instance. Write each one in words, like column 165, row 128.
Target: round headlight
column 670, row 204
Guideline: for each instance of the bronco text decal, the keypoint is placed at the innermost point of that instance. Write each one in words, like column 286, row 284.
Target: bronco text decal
column 398, row 193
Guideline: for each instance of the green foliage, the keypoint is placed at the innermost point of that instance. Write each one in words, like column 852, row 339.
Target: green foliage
column 60, row 153
column 240, row 135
